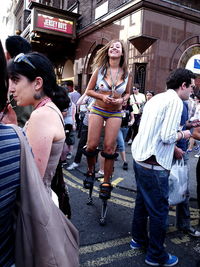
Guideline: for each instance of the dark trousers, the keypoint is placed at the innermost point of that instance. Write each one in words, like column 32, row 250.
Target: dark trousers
column 136, row 125
column 183, row 208
column 151, row 202
column 81, row 144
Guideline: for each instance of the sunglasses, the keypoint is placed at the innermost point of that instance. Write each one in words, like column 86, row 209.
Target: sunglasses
column 23, row 58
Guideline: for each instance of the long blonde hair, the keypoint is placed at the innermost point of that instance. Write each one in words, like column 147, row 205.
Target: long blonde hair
column 101, row 59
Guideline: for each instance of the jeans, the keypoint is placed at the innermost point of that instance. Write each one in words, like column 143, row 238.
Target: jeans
column 121, row 138
column 120, row 141
column 124, row 132
column 151, row 202
column 183, row 209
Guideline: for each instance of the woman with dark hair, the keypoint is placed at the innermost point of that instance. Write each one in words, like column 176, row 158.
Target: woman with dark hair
column 32, row 81
column 110, row 87
column 149, row 95
column 9, row 172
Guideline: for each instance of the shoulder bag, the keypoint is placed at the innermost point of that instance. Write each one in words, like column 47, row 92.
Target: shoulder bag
column 44, row 236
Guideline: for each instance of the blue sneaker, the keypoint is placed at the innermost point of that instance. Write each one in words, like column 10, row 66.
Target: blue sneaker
column 172, row 260
column 135, row 245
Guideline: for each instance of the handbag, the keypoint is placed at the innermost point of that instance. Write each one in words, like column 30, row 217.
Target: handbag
column 44, row 236
column 178, row 182
column 59, row 186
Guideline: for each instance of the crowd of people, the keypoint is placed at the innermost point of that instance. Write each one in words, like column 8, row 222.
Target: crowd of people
column 160, row 129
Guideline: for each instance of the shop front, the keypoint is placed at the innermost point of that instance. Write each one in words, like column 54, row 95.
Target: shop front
column 52, row 31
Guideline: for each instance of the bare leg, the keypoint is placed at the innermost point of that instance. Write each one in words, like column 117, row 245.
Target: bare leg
column 111, row 132
column 123, row 155
column 108, row 169
column 95, row 122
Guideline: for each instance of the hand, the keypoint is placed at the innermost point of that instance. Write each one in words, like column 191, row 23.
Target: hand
column 130, row 123
column 195, row 123
column 10, row 117
column 117, row 101
column 187, row 134
column 178, row 153
column 107, row 99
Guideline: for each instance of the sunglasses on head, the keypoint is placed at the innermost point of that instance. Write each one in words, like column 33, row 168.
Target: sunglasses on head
column 23, row 58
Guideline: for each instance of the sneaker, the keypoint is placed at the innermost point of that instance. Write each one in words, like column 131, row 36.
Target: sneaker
column 191, row 231
column 196, row 148
column 135, row 245
column 72, row 166
column 125, row 166
column 171, row 261
column 69, row 155
column 129, row 142
column 99, row 174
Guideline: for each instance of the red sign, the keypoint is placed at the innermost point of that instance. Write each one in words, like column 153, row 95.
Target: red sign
column 55, row 24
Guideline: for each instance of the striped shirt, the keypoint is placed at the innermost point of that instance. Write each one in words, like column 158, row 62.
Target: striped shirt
column 9, row 185
column 158, row 128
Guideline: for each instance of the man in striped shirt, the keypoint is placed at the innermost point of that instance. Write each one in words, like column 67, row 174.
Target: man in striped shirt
column 152, row 151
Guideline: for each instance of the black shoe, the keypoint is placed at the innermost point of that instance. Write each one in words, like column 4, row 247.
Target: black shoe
column 105, row 190
column 191, row 231
column 125, row 166
column 89, row 181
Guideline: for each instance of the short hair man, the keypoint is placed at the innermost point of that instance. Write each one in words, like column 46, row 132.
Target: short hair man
column 74, row 95
column 15, row 45
column 153, row 150
column 137, row 101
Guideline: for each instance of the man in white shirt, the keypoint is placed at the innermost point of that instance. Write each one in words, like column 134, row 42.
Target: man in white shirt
column 74, row 96
column 153, row 150
column 137, row 101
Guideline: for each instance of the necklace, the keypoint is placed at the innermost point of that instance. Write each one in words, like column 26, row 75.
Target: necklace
column 43, row 102
column 114, row 83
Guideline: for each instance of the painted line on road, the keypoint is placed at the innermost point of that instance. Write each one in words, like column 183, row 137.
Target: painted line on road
column 124, row 200
column 179, row 241
column 94, row 194
column 79, row 181
column 101, row 246
column 109, row 259
column 117, row 181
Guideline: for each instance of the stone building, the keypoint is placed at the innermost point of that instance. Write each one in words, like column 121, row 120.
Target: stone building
column 159, row 35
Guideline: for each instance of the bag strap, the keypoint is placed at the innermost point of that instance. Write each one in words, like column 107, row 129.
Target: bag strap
column 21, row 136
column 136, row 102
column 58, row 115
column 23, row 143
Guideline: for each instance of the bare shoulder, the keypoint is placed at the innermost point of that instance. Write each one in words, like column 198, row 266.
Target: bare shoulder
column 46, row 113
